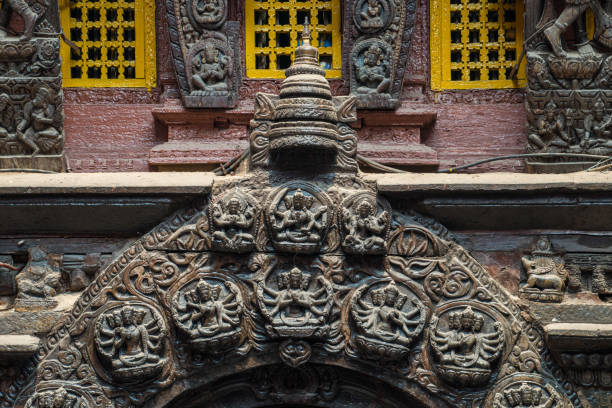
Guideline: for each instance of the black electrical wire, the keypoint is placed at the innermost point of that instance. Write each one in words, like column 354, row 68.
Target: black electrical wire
column 522, row 156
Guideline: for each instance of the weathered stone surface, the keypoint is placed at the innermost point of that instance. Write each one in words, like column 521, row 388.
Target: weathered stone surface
column 34, row 322
column 18, row 344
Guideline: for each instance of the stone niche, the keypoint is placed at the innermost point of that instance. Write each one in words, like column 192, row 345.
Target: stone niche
column 569, row 91
column 31, row 97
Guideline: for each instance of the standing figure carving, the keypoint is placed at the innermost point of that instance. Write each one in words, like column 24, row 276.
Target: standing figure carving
column 234, row 222
column 209, row 312
column 295, row 304
column 37, row 282
column 466, row 350
column 388, row 318
column 298, row 221
column 131, row 341
column 546, row 274
column 21, row 8
column 365, row 227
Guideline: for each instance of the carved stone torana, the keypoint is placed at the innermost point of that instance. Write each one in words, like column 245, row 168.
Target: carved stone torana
column 546, row 274
column 37, row 282
column 388, row 318
column 58, row 398
column 131, row 341
column 207, row 69
column 234, row 220
column 31, row 97
column 304, row 126
column 208, row 311
column 466, row 345
column 376, row 44
column 525, row 391
column 569, row 90
column 366, row 224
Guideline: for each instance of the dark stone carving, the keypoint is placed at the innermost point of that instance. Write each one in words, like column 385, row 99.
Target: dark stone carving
column 131, row 341
column 58, row 398
column 304, row 127
column 588, row 370
column 466, row 344
column 294, row 353
column 209, row 310
column 234, row 222
column 546, row 274
column 525, row 390
column 298, row 218
column 376, row 44
column 388, row 317
column 31, row 98
column 207, row 70
column 366, row 224
column 569, row 94
column 37, row 282
column 596, row 266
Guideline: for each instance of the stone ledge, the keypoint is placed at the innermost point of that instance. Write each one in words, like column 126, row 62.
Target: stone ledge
column 18, row 345
column 583, row 337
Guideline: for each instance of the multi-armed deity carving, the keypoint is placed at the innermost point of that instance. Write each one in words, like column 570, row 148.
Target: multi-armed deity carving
column 234, row 222
column 58, row 398
column 208, row 311
column 37, row 282
column 131, row 341
column 207, row 70
column 569, row 94
column 388, row 318
column 466, row 344
column 546, row 274
column 379, row 39
column 31, row 98
column 365, row 224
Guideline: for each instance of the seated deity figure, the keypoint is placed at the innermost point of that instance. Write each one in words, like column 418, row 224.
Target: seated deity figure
column 207, row 312
column 598, row 127
column 364, row 228
column 383, row 317
column 232, row 222
column 21, row 8
column 129, row 341
column 59, row 398
column 209, row 70
column 293, row 304
column 36, row 130
column 552, row 128
column 298, row 223
column 464, row 345
column 37, row 280
column 372, row 17
column 372, row 73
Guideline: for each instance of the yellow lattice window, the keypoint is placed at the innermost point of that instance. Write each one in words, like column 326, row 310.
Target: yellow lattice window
column 273, row 29
column 476, row 43
column 116, row 39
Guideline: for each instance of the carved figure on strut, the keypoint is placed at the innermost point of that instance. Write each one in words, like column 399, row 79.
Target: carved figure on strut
column 21, row 8
column 207, row 11
column 365, row 229
column 210, row 68
column 37, row 130
column 372, row 74
column 131, row 339
column 299, row 222
column 551, row 129
column 294, row 304
column 598, row 128
column 232, row 221
column 206, row 313
column 464, row 352
column 382, row 316
column 371, row 17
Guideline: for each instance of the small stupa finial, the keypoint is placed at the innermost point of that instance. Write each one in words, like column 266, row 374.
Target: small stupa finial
column 306, row 32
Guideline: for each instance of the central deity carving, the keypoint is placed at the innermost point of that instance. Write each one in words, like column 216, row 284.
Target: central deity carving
column 388, row 317
column 466, row 351
column 210, row 67
column 209, row 312
column 372, row 71
column 131, row 340
column 365, row 228
column 298, row 221
column 233, row 220
column 295, row 304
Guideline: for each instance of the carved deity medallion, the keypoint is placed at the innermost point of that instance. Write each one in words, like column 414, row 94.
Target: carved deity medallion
column 131, row 341
column 546, row 274
column 388, row 317
column 207, row 14
column 209, row 311
column 37, row 282
column 371, row 72
column 298, row 218
column 295, row 304
column 209, row 68
column 365, row 225
column 525, row 391
column 372, row 15
column 233, row 218
column 466, row 343
column 58, row 398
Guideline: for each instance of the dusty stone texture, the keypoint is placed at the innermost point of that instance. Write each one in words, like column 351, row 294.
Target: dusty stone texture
column 38, row 322
column 12, row 344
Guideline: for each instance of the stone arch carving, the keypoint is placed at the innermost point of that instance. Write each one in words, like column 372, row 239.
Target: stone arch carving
column 173, row 315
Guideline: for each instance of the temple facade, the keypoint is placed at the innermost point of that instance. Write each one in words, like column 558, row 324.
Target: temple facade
column 213, row 203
